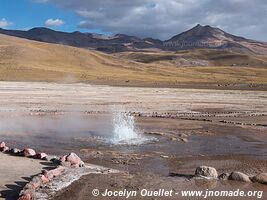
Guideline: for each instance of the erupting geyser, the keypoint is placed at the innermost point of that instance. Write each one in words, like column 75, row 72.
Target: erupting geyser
column 125, row 131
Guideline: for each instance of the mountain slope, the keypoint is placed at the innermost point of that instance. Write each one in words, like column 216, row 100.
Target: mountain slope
column 26, row 60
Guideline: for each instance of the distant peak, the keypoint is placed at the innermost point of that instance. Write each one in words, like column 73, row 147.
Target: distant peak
column 199, row 26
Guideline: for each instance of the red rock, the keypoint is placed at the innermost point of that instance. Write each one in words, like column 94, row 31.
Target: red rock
column 44, row 179
column 66, row 164
column 28, row 152
column 54, row 172
column 25, row 197
column 27, row 194
column 74, row 159
column 5, row 149
column 2, row 146
column 47, row 174
column 41, row 156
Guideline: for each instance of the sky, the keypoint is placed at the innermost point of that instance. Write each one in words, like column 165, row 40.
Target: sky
column 160, row 19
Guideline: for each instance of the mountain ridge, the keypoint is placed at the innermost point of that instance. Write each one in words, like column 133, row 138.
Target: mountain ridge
column 197, row 37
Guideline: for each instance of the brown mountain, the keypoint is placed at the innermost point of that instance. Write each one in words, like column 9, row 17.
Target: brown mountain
column 199, row 37
column 213, row 38
column 116, row 43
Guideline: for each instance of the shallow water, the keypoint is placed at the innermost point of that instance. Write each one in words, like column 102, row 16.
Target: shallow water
column 73, row 132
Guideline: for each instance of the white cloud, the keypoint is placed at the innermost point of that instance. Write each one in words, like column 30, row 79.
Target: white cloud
column 54, row 22
column 4, row 23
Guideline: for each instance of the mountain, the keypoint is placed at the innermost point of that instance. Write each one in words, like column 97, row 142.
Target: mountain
column 199, row 37
column 213, row 38
column 117, row 43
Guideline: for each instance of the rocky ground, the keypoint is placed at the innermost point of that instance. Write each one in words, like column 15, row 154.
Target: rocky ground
column 222, row 129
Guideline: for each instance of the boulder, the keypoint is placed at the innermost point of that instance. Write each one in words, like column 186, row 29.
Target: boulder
column 41, row 156
column 224, row 176
column 74, row 160
column 28, row 152
column 260, row 178
column 206, row 172
column 239, row 176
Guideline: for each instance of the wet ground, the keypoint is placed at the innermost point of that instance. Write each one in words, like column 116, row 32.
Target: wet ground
column 185, row 128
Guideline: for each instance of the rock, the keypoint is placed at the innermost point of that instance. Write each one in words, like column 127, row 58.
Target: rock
column 2, row 146
column 5, row 149
column 54, row 172
column 184, row 140
column 29, row 186
column 206, row 172
column 260, row 178
column 44, row 179
column 63, row 158
column 41, row 156
column 239, row 176
column 36, row 182
column 49, row 175
column 27, row 194
column 65, row 164
column 173, row 139
column 224, row 176
column 14, row 151
column 28, row 152
column 74, row 160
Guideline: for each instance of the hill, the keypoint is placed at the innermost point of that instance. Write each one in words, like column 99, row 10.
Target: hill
column 26, row 60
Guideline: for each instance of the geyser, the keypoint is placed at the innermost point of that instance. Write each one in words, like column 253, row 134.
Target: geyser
column 125, row 131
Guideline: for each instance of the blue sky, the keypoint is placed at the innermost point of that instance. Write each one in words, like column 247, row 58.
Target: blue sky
column 144, row 18
column 27, row 14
